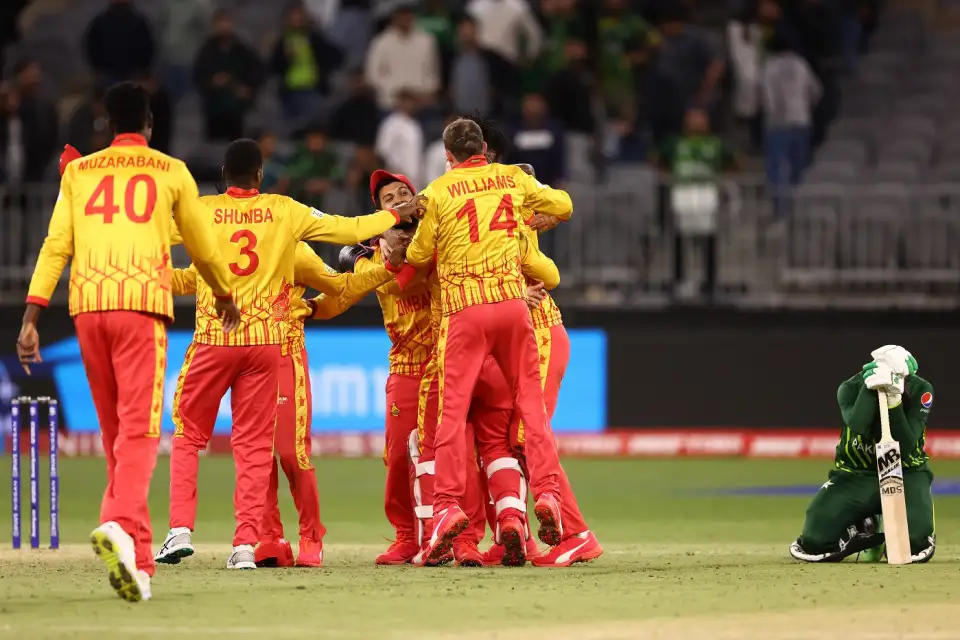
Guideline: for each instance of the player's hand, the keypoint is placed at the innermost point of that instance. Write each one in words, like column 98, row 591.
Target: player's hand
column 877, row 376
column 397, row 254
column 410, row 210
column 28, row 346
column 535, row 295
column 897, row 358
column 228, row 313
column 540, row 222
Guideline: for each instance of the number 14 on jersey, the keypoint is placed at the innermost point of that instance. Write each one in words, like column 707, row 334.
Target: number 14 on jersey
column 503, row 219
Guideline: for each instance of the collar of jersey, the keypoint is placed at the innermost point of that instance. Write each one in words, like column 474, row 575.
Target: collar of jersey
column 237, row 192
column 472, row 161
column 126, row 139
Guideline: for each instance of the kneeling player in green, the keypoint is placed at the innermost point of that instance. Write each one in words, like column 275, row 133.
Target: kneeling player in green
column 844, row 517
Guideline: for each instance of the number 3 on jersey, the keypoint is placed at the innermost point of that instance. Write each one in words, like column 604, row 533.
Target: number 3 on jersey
column 246, row 250
column 503, row 219
column 102, row 202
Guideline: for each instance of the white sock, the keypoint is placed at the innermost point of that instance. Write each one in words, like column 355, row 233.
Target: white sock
column 178, row 530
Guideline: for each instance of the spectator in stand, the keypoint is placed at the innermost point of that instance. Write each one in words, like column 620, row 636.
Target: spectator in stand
column 563, row 20
column 400, row 138
column 435, row 157
column 791, row 92
column 274, row 165
column 9, row 27
column 119, row 43
column 403, row 56
column 304, row 59
column 183, row 27
column 539, row 141
column 28, row 128
column 313, row 169
column 508, row 28
column 161, row 109
column 472, row 76
column 570, row 94
column 227, row 74
column 686, row 74
column 365, row 162
column 690, row 201
column 436, row 18
column 626, row 45
column 358, row 117
column 745, row 40
column 87, row 128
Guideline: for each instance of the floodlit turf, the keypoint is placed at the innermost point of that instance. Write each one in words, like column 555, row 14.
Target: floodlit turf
column 682, row 561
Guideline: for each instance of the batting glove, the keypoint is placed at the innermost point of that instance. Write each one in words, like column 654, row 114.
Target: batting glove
column 897, row 358
column 877, row 376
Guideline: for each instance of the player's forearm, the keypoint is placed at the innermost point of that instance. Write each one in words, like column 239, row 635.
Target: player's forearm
column 360, row 284
column 50, row 265
column 418, row 253
column 341, row 230
column 31, row 314
column 864, row 412
column 536, row 266
column 904, row 430
column 199, row 243
column 184, row 282
column 556, row 203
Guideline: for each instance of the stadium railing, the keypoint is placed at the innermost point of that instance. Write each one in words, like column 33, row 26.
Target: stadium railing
column 868, row 245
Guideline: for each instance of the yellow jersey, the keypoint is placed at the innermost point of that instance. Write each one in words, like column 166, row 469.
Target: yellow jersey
column 536, row 268
column 406, row 316
column 257, row 235
column 113, row 219
column 338, row 291
column 470, row 227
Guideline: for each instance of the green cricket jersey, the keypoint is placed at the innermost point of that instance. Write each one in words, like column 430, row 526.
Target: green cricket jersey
column 861, row 425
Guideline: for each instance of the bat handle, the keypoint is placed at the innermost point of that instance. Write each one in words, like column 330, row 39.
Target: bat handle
column 884, row 416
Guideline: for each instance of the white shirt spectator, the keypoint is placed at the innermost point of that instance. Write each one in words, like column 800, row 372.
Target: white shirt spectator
column 434, row 162
column 323, row 12
column 503, row 23
column 790, row 91
column 400, row 144
column 398, row 61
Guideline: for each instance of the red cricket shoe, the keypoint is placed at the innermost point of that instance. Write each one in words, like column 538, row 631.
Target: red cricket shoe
column 513, row 537
column 310, row 553
column 494, row 555
column 582, row 547
column 466, row 554
column 273, row 553
column 447, row 525
column 401, row 551
column 547, row 511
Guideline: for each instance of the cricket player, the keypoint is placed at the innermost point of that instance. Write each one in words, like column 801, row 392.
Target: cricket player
column 113, row 220
column 844, row 517
column 469, row 227
column 338, row 292
column 257, row 234
column 405, row 304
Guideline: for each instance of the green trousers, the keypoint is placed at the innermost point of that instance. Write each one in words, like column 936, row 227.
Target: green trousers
column 847, row 498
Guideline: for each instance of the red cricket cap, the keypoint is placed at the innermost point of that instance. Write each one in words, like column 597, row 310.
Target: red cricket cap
column 381, row 177
column 69, row 155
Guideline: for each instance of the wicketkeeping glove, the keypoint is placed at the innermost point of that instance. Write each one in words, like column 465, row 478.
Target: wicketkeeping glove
column 877, row 376
column 897, row 358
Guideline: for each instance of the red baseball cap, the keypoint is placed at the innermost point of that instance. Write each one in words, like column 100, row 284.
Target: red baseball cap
column 381, row 177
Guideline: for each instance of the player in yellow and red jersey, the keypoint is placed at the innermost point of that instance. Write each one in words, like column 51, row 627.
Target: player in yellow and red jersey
column 469, row 227
column 257, row 234
column 113, row 220
column 405, row 304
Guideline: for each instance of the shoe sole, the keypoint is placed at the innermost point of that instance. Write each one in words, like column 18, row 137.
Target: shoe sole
column 445, row 544
column 586, row 556
column 122, row 581
column 549, row 531
column 243, row 566
column 175, row 555
column 392, row 563
column 309, row 565
column 514, row 548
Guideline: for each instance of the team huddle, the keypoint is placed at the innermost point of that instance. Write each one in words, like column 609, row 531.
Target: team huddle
column 478, row 347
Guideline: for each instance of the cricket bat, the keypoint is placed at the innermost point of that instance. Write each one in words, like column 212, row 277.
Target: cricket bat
column 890, row 472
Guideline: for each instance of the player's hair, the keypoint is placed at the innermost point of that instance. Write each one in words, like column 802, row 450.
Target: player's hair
column 497, row 143
column 463, row 138
column 128, row 107
column 242, row 161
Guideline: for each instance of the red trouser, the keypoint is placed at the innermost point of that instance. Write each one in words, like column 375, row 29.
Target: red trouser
column 125, row 356
column 252, row 375
column 401, row 420
column 291, row 443
column 503, row 330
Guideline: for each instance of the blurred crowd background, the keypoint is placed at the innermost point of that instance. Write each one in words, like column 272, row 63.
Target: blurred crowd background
column 748, row 151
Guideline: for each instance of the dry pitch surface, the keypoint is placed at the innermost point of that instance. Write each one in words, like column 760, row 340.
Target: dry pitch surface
column 681, row 562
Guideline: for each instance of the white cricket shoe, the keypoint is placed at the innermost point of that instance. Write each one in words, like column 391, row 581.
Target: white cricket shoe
column 176, row 546
column 116, row 549
column 243, row 557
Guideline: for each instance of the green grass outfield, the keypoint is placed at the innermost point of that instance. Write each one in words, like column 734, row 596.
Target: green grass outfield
column 681, row 561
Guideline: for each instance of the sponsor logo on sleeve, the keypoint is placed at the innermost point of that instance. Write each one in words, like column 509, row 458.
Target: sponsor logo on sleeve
column 316, row 213
column 926, row 400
